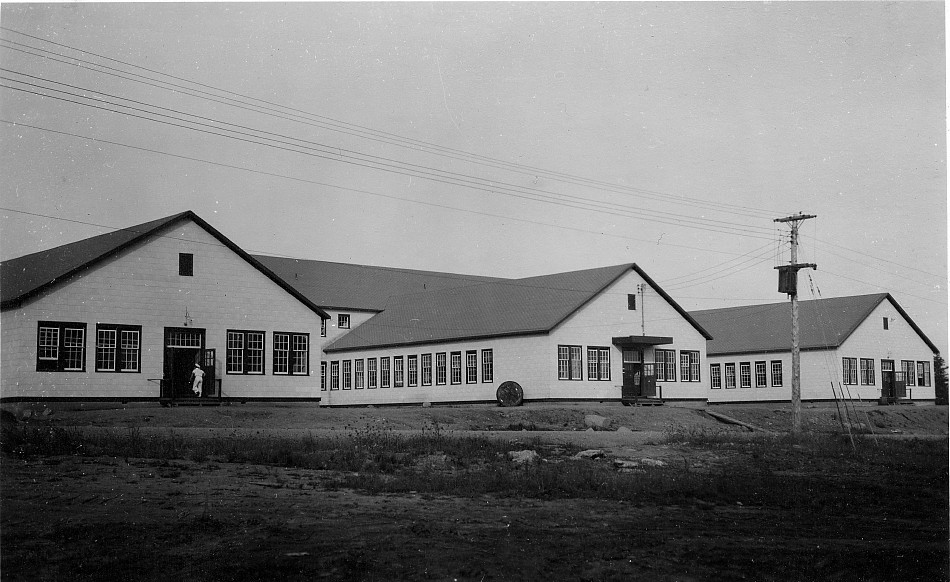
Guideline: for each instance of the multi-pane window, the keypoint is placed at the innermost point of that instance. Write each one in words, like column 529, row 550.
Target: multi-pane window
column 60, row 347
column 488, row 366
column 867, row 372
column 715, row 376
column 118, row 348
column 598, row 363
column 323, row 376
column 761, row 375
column 371, row 373
column 426, row 369
column 412, row 370
column 569, row 363
column 849, row 370
column 631, row 302
column 689, row 366
column 343, row 321
column 245, row 353
column 776, row 372
column 397, row 371
column 910, row 372
column 471, row 367
column 730, row 375
column 291, row 353
column 440, row 368
column 665, row 364
column 923, row 373
column 358, row 374
column 347, row 374
column 323, row 328
column 745, row 375
column 456, row 367
column 334, row 375
column 384, row 372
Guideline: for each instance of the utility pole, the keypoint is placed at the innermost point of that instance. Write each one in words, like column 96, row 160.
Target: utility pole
column 788, row 283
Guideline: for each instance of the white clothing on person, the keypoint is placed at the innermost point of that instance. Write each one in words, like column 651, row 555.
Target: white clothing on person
column 197, row 379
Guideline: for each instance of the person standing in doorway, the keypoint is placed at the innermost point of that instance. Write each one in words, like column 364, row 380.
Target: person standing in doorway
column 197, row 379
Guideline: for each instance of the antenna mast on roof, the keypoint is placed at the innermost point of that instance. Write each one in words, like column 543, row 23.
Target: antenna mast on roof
column 788, row 283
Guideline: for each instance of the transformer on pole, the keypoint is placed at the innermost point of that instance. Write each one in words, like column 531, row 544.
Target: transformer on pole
column 788, row 283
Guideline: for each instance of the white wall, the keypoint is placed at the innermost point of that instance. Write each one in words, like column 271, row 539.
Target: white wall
column 142, row 286
column 532, row 360
column 819, row 368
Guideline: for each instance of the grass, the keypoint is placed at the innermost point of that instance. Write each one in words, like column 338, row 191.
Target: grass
column 808, row 471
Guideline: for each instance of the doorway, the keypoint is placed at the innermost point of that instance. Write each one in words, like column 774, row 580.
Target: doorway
column 183, row 349
column 639, row 380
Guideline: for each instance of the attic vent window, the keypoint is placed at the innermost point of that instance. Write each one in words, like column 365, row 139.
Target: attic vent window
column 885, row 323
column 186, row 264
column 632, row 302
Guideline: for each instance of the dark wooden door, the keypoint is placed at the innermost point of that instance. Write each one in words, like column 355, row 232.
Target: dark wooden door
column 183, row 349
column 632, row 378
column 888, row 388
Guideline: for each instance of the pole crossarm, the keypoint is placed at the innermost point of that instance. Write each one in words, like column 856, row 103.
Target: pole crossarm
column 798, row 266
column 796, row 218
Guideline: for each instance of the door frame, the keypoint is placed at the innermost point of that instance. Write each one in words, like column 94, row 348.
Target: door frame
column 169, row 383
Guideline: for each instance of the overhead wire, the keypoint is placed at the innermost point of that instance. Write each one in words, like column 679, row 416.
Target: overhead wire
column 338, row 125
column 486, row 185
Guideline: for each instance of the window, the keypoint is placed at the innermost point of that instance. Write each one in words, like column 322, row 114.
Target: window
column 347, row 374
column 371, row 373
column 245, row 353
column 118, row 348
column 867, row 372
column 923, row 373
column 60, row 347
column 397, row 371
column 358, row 374
column 632, row 301
column 488, row 366
column 384, row 372
column 186, row 264
column 665, row 361
column 730, row 376
column 323, row 327
column 910, row 372
column 715, row 376
column 456, row 367
column 427, row 369
column 761, row 377
column 849, row 370
column 569, row 363
column 291, row 353
column 343, row 321
column 745, row 375
column 598, row 363
column 413, row 371
column 440, row 369
column 689, row 366
column 471, row 367
column 334, row 375
column 885, row 323
column 323, row 376
column 776, row 372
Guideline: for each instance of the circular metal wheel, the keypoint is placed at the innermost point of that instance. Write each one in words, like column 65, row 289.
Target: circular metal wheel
column 509, row 394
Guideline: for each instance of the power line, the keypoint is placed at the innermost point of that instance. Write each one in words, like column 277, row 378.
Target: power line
column 356, row 190
column 338, row 125
column 572, row 202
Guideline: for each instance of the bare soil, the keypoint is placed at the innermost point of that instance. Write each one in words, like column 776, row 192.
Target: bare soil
column 101, row 518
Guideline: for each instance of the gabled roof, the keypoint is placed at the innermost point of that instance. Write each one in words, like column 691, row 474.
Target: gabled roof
column 343, row 286
column 823, row 324
column 528, row 306
column 27, row 276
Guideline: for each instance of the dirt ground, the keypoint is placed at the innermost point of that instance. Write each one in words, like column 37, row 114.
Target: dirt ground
column 104, row 518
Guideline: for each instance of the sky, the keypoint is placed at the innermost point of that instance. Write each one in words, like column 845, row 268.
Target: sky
column 503, row 139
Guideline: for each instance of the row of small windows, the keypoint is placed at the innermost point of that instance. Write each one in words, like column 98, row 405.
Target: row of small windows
column 724, row 375
column 570, row 364
column 61, row 347
column 855, row 369
column 413, row 370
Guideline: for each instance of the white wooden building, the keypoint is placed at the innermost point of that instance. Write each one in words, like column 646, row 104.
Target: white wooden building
column 865, row 345
column 126, row 316
column 596, row 334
